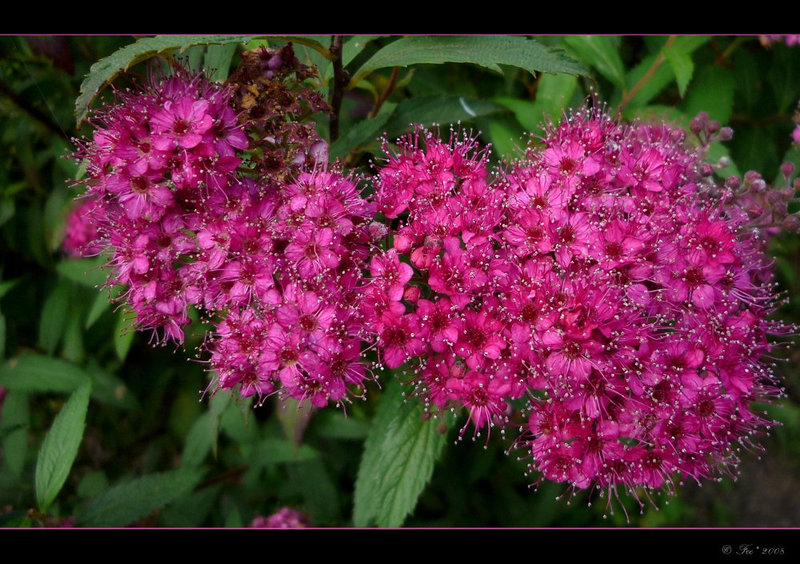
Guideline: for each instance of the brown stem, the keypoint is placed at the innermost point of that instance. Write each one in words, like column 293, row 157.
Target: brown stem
column 340, row 80
column 723, row 58
column 385, row 94
column 647, row 76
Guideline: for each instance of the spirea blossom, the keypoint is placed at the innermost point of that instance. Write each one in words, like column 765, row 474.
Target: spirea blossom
column 274, row 263
column 605, row 276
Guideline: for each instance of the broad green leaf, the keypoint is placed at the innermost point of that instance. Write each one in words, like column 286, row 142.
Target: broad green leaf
column 217, row 60
column 39, row 373
column 712, row 92
column 54, row 316
column 105, row 70
column 126, row 503
column 601, row 53
column 14, row 432
column 442, row 110
column 682, row 66
column 487, row 51
column 399, row 455
column 60, row 447
column 364, row 132
column 784, row 79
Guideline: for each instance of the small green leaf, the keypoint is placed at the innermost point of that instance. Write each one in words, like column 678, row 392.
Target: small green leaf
column 39, row 373
column 99, row 306
column 553, row 95
column 399, row 455
column 487, row 51
column 601, row 53
column 54, row 316
column 14, row 432
column 201, row 436
column 60, row 447
column 682, row 66
column 505, row 134
column 128, row 502
column 84, row 271
column 105, row 70
column 124, row 333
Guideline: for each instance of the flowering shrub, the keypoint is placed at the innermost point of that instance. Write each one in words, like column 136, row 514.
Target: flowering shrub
column 602, row 296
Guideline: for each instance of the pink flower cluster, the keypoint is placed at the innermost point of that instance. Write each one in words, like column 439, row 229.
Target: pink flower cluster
column 275, row 268
column 604, row 281
column 284, row 518
column 604, row 276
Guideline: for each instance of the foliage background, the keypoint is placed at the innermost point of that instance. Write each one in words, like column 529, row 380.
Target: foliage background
column 153, row 450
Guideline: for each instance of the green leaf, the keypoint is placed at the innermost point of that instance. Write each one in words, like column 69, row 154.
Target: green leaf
column 438, row 109
column 363, row 133
column 202, row 435
column 54, row 316
column 504, row 133
column 39, row 373
column 601, row 53
column 60, row 447
column 353, row 46
column 712, row 92
column 553, row 95
column 105, row 70
column 487, row 51
column 682, row 66
column 217, row 61
column 654, row 78
column 399, row 454
column 126, row 503
column 124, row 332
column 14, row 432
column 99, row 306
